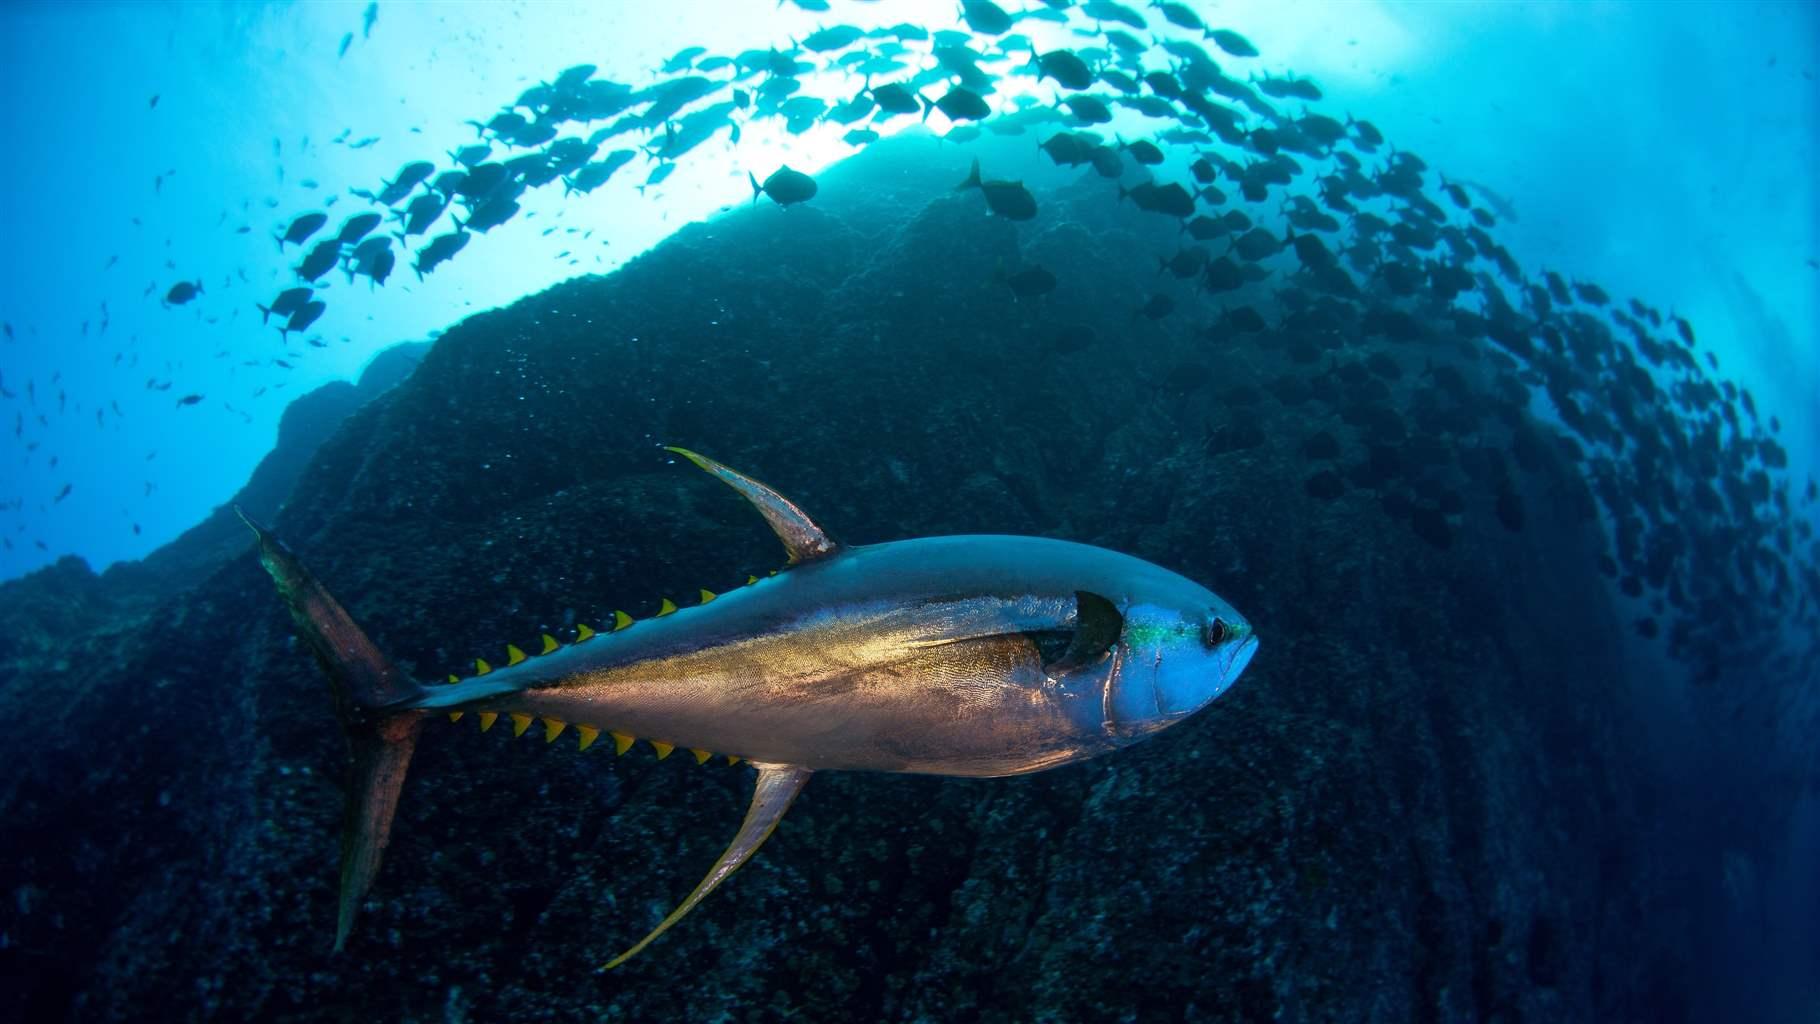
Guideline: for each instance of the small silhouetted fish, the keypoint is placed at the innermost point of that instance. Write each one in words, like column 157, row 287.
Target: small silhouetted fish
column 182, row 292
column 784, row 186
column 357, row 227
column 826, row 40
column 1256, row 244
column 319, row 260
column 422, row 212
column 960, row 104
column 469, row 156
column 1233, row 43
column 1067, row 68
column 1069, row 149
column 302, row 228
column 1591, row 293
column 1009, row 199
column 1325, row 485
column 440, row 249
column 1171, row 199
column 896, row 98
column 1430, row 524
column 1106, row 10
column 1090, row 109
column 1158, row 307
column 188, row 400
column 63, row 493
column 287, row 302
column 1164, row 84
column 1321, row 445
column 1289, row 88
column 490, row 214
column 304, row 316
column 1185, row 264
column 408, row 177
column 658, row 174
column 1180, row 15
column 1143, row 152
column 1029, row 282
column 347, row 40
column 860, row 137
column 1204, row 228
column 682, row 60
column 1223, row 275
column 985, row 17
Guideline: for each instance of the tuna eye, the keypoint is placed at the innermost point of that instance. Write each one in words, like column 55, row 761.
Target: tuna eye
column 1218, row 632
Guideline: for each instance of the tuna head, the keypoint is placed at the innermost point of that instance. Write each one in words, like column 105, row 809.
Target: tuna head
column 1179, row 647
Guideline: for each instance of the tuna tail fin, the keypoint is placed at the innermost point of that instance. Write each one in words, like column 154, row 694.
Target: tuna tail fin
column 365, row 684
column 265, row 313
column 757, row 189
column 973, row 177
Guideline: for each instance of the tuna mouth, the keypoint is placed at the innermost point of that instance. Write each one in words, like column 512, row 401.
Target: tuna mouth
column 1240, row 658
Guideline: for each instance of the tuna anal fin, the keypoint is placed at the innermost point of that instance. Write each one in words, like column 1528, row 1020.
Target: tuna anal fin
column 802, row 538
column 777, row 788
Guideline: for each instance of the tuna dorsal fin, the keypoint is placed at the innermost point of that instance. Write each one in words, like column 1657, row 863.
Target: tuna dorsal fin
column 777, row 788
column 804, row 540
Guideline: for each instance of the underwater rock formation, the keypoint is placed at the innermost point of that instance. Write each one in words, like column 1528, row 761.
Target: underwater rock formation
column 1409, row 810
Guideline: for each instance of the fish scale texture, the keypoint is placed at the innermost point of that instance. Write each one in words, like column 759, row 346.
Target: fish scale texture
column 1416, row 806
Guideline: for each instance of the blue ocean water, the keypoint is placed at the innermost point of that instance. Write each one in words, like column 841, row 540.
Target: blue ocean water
column 1659, row 154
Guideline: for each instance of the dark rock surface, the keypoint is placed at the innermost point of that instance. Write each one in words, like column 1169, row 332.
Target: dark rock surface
column 1425, row 801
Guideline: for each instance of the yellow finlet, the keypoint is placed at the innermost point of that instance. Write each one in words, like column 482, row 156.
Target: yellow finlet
column 621, row 620
column 455, row 716
column 701, row 756
column 481, row 667
column 588, row 735
column 549, row 644
column 751, row 579
column 621, row 742
column 731, row 760
column 772, row 573
column 707, row 595
column 487, row 718
column 582, row 632
column 453, row 678
column 663, row 749
column 520, row 722
column 513, row 655
column 666, row 608
column 552, row 728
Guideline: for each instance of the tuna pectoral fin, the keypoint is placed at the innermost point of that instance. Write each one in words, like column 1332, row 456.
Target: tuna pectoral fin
column 364, row 683
column 777, row 788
